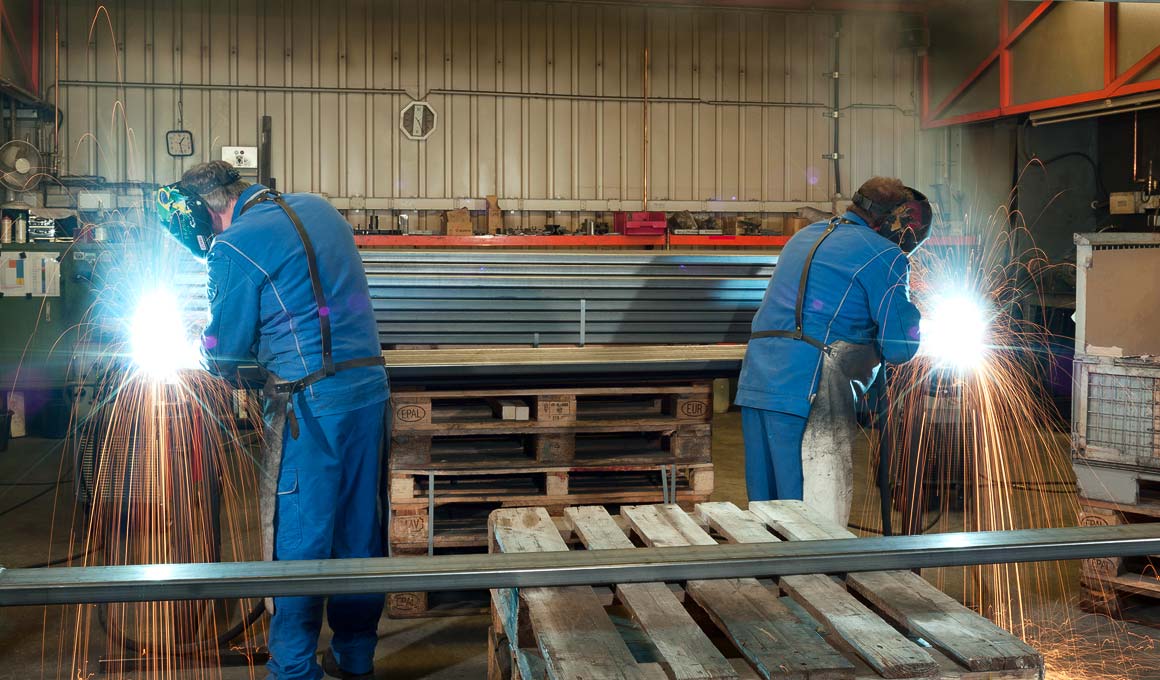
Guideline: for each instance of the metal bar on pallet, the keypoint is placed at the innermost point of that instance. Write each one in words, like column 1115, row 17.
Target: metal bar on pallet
column 430, row 513
column 583, row 319
column 77, row 585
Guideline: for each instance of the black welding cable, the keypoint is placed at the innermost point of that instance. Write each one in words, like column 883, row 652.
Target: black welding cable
column 208, row 644
column 26, row 501
column 876, row 532
column 66, row 481
column 57, row 561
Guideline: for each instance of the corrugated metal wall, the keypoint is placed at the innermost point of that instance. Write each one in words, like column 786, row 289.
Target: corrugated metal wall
column 536, row 100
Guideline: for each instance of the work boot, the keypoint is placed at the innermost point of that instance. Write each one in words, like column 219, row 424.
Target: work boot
column 330, row 667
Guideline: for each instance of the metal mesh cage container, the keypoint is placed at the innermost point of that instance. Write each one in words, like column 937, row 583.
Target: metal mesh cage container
column 1115, row 411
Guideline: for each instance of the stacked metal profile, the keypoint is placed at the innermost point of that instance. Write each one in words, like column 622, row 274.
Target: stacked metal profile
column 1116, row 404
column 540, row 298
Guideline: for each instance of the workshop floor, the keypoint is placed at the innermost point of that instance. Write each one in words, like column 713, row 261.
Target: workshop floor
column 33, row 519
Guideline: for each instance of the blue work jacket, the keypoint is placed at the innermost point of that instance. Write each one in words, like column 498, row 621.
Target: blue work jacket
column 263, row 308
column 858, row 291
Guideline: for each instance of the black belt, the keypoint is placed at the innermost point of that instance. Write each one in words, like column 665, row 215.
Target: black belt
column 798, row 333
column 793, row 335
column 302, row 383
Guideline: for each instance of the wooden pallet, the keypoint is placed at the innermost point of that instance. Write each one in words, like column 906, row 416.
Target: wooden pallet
column 1109, row 584
column 552, row 425
column 859, row 627
column 507, row 410
column 503, row 446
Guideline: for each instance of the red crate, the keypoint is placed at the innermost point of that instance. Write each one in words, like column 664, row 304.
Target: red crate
column 639, row 223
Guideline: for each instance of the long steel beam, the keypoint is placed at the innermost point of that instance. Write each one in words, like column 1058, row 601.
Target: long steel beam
column 332, row 577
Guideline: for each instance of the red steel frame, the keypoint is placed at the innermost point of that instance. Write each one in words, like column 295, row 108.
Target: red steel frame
column 1116, row 83
column 607, row 241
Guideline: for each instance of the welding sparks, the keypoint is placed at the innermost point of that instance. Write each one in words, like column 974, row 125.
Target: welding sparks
column 165, row 473
column 160, row 341
column 979, row 446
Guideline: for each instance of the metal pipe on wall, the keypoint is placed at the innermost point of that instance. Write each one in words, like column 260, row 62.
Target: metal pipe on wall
column 229, row 87
column 645, row 159
column 837, row 108
column 628, row 99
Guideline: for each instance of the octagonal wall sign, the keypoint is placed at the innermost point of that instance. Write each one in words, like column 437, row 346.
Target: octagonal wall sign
column 417, row 120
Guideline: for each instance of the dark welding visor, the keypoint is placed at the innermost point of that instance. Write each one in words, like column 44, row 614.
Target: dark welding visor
column 183, row 213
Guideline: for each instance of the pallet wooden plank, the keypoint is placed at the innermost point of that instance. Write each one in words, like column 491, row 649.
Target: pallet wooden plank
column 698, row 388
column 775, row 641
column 682, row 522
column 946, row 668
column 865, row 633
column 684, row 649
column 546, row 452
column 497, row 427
column 652, row 527
column 586, row 496
column 907, row 598
column 596, row 528
column 489, row 466
column 745, row 672
column 573, row 632
column 734, row 524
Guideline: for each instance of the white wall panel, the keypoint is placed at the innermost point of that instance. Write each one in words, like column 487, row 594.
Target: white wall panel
column 536, row 100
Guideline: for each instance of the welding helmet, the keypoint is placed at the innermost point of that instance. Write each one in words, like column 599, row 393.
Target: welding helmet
column 906, row 223
column 183, row 213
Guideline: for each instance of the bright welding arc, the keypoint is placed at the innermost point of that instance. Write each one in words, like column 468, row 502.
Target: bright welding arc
column 954, row 333
column 160, row 340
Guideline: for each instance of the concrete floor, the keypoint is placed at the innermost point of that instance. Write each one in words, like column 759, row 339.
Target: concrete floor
column 446, row 648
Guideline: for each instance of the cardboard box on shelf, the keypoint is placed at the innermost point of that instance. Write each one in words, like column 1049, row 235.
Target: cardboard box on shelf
column 457, row 223
column 794, row 224
column 494, row 215
column 742, row 225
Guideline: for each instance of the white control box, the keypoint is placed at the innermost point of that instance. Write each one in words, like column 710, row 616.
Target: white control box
column 241, row 156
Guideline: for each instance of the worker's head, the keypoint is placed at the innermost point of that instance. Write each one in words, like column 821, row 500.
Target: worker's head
column 894, row 210
column 219, row 185
column 201, row 204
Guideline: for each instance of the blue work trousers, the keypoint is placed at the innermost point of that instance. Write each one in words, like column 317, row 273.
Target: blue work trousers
column 328, row 506
column 773, row 454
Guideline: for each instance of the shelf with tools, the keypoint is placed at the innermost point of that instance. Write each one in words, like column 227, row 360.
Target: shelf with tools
column 653, row 241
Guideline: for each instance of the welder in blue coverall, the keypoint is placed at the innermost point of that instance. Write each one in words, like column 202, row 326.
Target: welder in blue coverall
column 287, row 288
column 837, row 306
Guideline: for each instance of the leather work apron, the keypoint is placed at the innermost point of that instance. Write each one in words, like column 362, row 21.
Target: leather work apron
column 278, row 394
column 832, row 426
column 832, row 430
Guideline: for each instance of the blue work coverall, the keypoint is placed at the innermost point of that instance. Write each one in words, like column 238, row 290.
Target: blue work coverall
column 327, row 506
column 858, row 292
